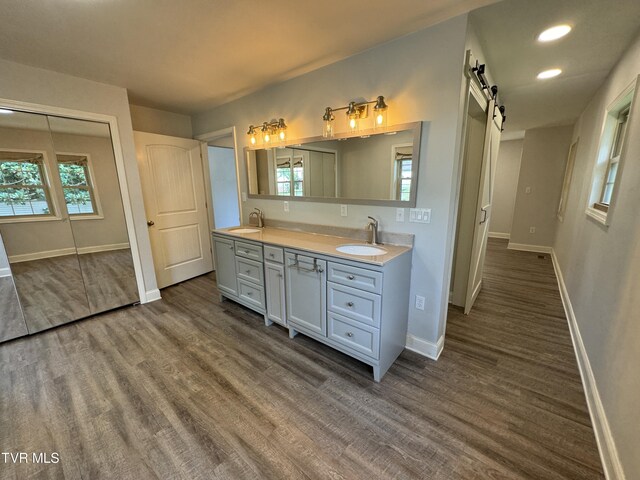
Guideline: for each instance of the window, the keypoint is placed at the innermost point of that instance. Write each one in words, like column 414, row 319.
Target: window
column 290, row 179
column 609, row 163
column 77, row 186
column 614, row 158
column 23, row 188
column 402, row 157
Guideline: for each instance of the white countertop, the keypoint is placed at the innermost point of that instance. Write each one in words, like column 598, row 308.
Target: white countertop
column 314, row 243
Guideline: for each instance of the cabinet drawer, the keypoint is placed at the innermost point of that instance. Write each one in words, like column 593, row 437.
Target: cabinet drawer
column 355, row 277
column 251, row 293
column 353, row 303
column 249, row 250
column 274, row 254
column 250, row 270
column 354, row 335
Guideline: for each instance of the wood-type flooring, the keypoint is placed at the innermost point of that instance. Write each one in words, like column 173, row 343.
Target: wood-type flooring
column 191, row 388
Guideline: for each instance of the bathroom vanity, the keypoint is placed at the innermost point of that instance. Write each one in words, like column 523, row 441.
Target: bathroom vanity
column 355, row 303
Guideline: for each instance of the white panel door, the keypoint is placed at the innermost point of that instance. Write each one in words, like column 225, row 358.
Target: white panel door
column 175, row 202
column 483, row 213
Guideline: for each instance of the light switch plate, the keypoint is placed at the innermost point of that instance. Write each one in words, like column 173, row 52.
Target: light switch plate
column 244, row 196
column 286, row 206
column 343, row 211
column 400, row 215
column 527, row 190
column 420, row 215
column 420, row 302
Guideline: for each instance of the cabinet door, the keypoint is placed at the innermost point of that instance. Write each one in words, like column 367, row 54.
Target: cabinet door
column 274, row 276
column 306, row 292
column 226, row 274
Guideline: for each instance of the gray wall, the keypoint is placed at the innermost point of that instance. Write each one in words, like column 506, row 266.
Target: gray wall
column 505, row 187
column 422, row 80
column 544, row 156
column 601, row 267
column 44, row 87
column 151, row 120
column 222, row 168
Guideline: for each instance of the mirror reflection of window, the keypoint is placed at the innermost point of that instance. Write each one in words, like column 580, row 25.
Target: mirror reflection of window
column 290, row 178
column 77, row 184
column 403, row 163
column 23, row 187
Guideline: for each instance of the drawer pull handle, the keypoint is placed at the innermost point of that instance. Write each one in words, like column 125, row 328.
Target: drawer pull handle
column 350, row 304
column 271, row 255
column 349, row 334
column 351, row 277
column 231, row 247
column 248, row 272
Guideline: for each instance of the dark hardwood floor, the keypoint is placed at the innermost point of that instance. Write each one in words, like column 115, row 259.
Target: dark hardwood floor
column 191, row 388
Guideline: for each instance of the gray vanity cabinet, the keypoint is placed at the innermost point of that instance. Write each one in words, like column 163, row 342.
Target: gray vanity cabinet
column 226, row 274
column 306, row 293
column 275, row 285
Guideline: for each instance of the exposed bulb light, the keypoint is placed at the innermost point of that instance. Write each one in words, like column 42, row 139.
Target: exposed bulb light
column 554, row 72
column 353, row 115
column 282, row 130
column 357, row 113
column 5, row 111
column 554, row 33
column 252, row 134
column 327, row 119
column 270, row 132
column 380, row 111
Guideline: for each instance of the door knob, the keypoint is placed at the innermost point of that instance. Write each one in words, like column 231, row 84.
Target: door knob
column 150, row 223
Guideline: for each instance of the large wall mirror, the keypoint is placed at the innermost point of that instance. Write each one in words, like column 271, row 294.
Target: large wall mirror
column 64, row 251
column 375, row 169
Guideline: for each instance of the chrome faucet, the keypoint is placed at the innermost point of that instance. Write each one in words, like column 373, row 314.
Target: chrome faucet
column 259, row 215
column 373, row 226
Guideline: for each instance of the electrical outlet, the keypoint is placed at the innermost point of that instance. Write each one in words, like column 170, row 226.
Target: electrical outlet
column 419, row 302
column 420, row 215
column 527, row 190
column 286, row 206
column 532, row 229
column 400, row 215
column 343, row 210
column 244, row 196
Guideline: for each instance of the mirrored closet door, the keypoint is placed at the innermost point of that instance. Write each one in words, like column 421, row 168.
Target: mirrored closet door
column 62, row 220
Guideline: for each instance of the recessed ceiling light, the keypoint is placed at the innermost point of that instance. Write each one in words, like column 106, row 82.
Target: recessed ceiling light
column 5, row 111
column 554, row 72
column 554, row 33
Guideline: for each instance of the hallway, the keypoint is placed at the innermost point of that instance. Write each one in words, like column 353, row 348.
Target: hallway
column 188, row 387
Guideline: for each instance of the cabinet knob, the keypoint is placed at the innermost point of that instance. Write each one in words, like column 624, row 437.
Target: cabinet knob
column 320, row 269
column 271, row 255
column 150, row 223
column 349, row 334
column 280, row 275
column 351, row 277
column 249, row 293
column 231, row 247
column 350, row 304
column 248, row 272
column 247, row 252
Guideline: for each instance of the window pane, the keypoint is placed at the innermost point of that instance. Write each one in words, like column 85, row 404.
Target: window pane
column 405, row 169
column 297, row 189
column 606, row 196
column 283, row 174
column 23, row 201
column 284, row 188
column 30, row 174
column 72, row 175
column 298, row 173
column 613, row 170
column 77, row 200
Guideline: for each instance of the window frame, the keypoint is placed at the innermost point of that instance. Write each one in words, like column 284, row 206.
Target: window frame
column 291, row 161
column 596, row 209
column 396, row 178
column 93, row 189
column 46, row 185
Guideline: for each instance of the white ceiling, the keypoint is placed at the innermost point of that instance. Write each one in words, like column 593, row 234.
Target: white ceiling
column 190, row 55
column 602, row 29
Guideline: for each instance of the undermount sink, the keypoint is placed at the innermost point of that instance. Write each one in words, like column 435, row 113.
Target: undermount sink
column 244, row 230
column 362, row 250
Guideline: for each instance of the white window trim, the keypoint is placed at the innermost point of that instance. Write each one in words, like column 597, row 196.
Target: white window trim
column 99, row 215
column 46, row 167
column 600, row 168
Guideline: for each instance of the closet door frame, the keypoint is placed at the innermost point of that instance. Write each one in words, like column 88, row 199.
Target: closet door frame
column 112, row 121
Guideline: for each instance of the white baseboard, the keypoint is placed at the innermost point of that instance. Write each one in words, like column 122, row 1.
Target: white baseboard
column 499, row 235
column 26, row 257
column 102, row 248
column 5, row 272
column 424, row 347
column 151, row 296
column 528, row 248
column 604, row 438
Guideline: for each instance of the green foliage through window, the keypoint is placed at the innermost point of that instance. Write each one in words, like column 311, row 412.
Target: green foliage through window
column 76, row 187
column 22, row 189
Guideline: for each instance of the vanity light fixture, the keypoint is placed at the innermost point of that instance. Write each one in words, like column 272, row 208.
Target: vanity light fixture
column 554, row 33
column 274, row 130
column 355, row 113
column 554, row 72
